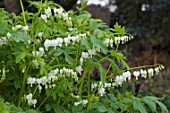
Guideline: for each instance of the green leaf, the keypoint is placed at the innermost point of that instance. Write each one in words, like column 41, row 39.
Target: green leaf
column 150, row 103
column 102, row 73
column 56, row 54
column 68, row 58
column 93, row 25
column 156, row 100
column 48, row 107
column 102, row 109
column 21, row 36
column 77, row 109
column 42, row 66
column 98, row 43
column 83, row 5
column 112, row 97
column 59, row 27
column 110, row 111
column 54, row 95
column 31, row 111
column 118, row 56
column 99, row 106
column 138, row 106
column 59, row 109
column 17, row 83
column 40, row 26
column 96, row 105
column 163, row 107
column 120, row 96
column 119, row 30
column 99, row 33
column 86, row 43
column 20, row 56
column 125, row 64
column 15, row 109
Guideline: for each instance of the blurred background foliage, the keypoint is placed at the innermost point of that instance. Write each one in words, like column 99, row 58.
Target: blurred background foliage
column 147, row 20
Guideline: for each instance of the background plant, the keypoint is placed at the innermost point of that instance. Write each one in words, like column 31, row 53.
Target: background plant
column 49, row 60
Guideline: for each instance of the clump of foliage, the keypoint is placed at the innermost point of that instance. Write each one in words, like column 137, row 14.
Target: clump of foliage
column 49, row 60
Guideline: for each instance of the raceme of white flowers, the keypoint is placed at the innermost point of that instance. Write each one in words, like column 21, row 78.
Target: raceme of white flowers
column 119, row 80
column 30, row 100
column 58, row 42
column 100, row 87
column 117, row 40
column 143, row 73
column 58, row 12
column 84, row 102
column 36, row 54
column 53, row 76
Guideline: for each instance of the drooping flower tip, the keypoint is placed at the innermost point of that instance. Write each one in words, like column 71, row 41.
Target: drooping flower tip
column 25, row 28
column 40, row 34
column 48, row 12
column 44, row 17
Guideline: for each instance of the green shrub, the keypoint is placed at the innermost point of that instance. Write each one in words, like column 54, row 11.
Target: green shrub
column 49, row 60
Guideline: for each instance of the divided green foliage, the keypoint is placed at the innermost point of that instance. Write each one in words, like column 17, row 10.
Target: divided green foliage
column 65, row 62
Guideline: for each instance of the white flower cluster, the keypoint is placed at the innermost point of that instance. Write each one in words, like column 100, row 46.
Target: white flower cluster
column 25, row 28
column 84, row 56
column 101, row 87
column 84, row 102
column 143, row 73
column 36, row 54
column 47, row 14
column 108, row 42
column 52, row 77
column 3, row 40
column 117, row 40
column 59, row 41
column 58, row 12
column 122, row 78
column 35, row 63
column 123, row 39
column 119, row 80
column 30, row 100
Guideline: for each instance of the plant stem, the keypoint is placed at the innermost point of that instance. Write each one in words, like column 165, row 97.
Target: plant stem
column 108, row 69
column 58, row 102
column 89, row 90
column 58, row 62
column 77, row 55
column 22, row 88
column 82, row 82
column 146, row 66
column 43, row 102
column 10, row 45
column 23, row 13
